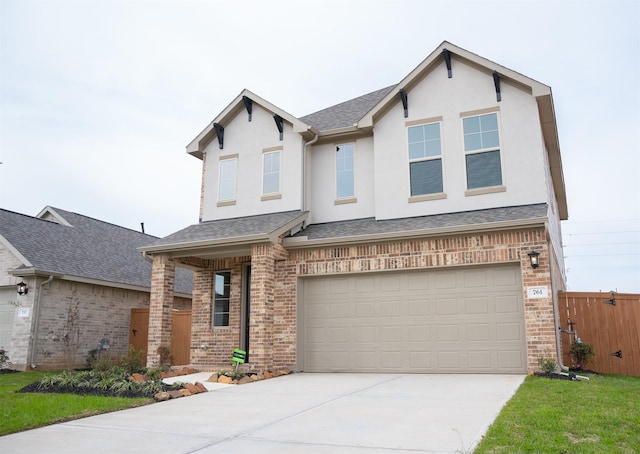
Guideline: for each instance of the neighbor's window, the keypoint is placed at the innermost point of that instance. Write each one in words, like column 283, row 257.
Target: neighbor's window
column 345, row 171
column 271, row 172
column 227, row 179
column 425, row 159
column 222, row 286
column 482, row 151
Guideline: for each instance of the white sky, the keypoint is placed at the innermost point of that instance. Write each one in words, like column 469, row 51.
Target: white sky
column 98, row 99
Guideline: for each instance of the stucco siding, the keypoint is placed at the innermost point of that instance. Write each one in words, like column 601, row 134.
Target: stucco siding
column 248, row 140
column 325, row 207
column 437, row 97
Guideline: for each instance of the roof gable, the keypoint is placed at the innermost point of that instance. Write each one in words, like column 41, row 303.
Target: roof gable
column 197, row 145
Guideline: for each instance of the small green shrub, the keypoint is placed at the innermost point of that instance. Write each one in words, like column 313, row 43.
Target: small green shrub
column 166, row 358
column 547, row 363
column 4, row 358
column 132, row 361
column 581, row 354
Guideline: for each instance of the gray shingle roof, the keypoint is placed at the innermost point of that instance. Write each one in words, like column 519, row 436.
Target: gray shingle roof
column 370, row 226
column 346, row 113
column 90, row 248
column 264, row 224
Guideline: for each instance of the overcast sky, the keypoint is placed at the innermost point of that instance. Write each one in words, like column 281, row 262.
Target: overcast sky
column 98, row 99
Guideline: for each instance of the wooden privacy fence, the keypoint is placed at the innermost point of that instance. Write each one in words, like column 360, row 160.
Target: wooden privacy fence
column 180, row 334
column 610, row 322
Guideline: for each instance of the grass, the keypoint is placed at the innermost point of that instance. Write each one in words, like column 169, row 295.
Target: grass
column 558, row 416
column 22, row 411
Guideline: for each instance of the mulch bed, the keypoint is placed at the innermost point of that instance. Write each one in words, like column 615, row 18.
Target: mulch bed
column 85, row 391
column 8, row 371
column 571, row 377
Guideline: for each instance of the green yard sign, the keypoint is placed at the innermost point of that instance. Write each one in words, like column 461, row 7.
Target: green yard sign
column 238, row 357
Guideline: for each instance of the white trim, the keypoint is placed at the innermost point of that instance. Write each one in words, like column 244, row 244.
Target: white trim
column 349, row 198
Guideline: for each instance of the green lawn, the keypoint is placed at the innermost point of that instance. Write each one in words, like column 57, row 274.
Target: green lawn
column 556, row 416
column 21, row 411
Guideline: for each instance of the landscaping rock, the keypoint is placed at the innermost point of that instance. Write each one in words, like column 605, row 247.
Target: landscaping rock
column 175, row 394
column 213, row 378
column 137, row 378
column 200, row 387
column 191, row 388
column 268, row 374
column 161, row 396
column 245, row 379
column 225, row 379
column 284, row 371
column 185, row 392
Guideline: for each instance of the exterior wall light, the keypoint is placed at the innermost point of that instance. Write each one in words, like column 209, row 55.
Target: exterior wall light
column 533, row 256
column 23, row 288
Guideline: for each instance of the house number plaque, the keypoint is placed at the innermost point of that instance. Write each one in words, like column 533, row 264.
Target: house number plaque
column 538, row 292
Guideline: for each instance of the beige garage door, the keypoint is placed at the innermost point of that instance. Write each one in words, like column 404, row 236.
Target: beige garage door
column 465, row 320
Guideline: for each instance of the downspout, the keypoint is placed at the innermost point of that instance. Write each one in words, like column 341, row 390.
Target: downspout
column 36, row 315
column 304, row 174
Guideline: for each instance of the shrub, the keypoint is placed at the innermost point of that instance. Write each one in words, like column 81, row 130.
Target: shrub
column 581, row 354
column 166, row 359
column 547, row 363
column 4, row 358
column 132, row 361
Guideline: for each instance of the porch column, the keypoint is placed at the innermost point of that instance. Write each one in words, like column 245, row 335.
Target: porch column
column 262, row 299
column 160, row 306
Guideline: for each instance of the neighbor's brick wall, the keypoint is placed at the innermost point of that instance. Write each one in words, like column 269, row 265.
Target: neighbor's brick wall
column 102, row 312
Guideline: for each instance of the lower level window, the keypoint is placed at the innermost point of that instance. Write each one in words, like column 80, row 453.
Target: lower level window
column 222, row 287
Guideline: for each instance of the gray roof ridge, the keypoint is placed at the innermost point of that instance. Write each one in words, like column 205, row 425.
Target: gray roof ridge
column 34, row 218
column 62, row 210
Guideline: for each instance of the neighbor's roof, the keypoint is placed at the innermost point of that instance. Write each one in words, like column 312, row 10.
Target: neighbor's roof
column 81, row 248
column 369, row 229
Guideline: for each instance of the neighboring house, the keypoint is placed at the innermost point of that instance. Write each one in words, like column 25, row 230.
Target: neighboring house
column 388, row 233
column 83, row 278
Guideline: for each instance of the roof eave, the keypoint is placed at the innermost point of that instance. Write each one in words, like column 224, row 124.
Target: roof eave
column 302, row 241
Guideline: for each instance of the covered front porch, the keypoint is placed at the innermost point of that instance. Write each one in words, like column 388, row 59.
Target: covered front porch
column 233, row 302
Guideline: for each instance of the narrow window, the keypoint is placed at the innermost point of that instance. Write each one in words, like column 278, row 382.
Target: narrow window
column 222, row 286
column 345, row 171
column 227, row 180
column 271, row 172
column 425, row 159
column 482, row 151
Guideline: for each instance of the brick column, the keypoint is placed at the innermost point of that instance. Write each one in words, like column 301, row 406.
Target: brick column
column 539, row 314
column 160, row 306
column 262, row 299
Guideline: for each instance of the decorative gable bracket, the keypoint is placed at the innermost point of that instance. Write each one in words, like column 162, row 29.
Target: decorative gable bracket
column 405, row 102
column 279, row 124
column 447, row 60
column 248, row 104
column 496, row 82
column 219, row 129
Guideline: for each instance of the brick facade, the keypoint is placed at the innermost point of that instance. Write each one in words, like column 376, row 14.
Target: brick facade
column 274, row 281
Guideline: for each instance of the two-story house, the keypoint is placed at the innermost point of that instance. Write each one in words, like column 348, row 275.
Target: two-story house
column 412, row 229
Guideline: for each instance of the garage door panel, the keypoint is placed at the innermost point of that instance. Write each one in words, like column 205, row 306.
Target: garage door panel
column 425, row 322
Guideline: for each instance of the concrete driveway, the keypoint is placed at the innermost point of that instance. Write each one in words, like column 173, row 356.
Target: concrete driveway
column 299, row 413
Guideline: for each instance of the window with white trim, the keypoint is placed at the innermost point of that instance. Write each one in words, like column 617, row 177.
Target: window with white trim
column 227, row 179
column 425, row 159
column 482, row 151
column 271, row 172
column 345, row 171
column 222, row 293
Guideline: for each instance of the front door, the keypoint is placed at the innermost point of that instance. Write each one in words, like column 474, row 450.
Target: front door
column 246, row 309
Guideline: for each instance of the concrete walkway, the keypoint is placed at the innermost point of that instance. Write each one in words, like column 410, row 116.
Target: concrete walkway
column 299, row 413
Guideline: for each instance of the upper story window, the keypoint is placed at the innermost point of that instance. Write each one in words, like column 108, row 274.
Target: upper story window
column 271, row 172
column 222, row 295
column 482, row 151
column 345, row 171
column 227, row 179
column 425, row 159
